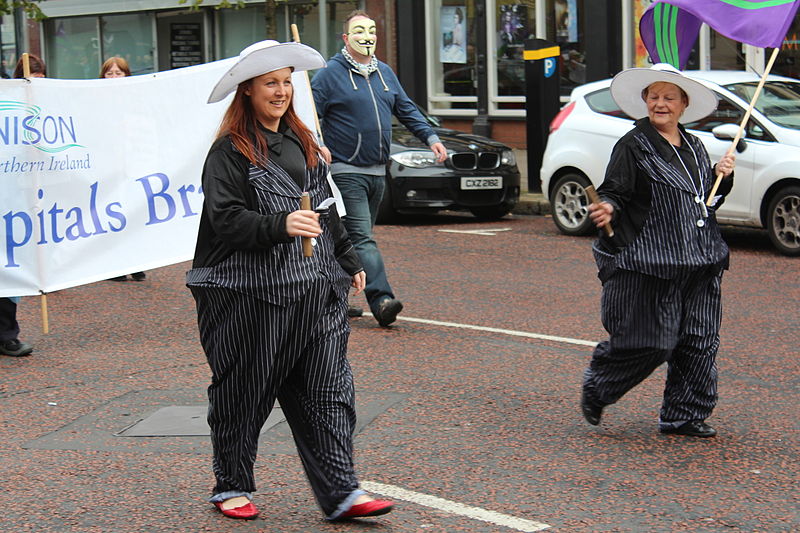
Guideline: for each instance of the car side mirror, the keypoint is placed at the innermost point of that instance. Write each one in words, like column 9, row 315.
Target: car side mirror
column 728, row 132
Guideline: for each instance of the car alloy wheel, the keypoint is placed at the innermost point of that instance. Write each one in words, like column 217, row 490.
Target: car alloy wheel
column 570, row 205
column 783, row 220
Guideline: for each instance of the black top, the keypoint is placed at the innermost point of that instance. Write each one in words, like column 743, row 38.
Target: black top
column 230, row 219
column 627, row 188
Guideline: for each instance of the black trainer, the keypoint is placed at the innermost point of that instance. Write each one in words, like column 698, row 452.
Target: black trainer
column 354, row 312
column 692, row 428
column 15, row 348
column 139, row 276
column 388, row 310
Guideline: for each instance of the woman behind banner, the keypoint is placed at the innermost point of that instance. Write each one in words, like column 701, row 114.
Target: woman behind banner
column 661, row 270
column 117, row 67
column 272, row 322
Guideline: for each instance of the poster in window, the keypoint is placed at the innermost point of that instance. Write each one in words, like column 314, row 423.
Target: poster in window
column 566, row 12
column 642, row 58
column 454, row 35
column 513, row 30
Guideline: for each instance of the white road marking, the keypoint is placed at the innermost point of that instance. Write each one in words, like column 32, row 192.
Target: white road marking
column 512, row 332
column 475, row 513
column 490, row 231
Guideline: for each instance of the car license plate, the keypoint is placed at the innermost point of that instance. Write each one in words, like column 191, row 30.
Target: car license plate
column 481, row 183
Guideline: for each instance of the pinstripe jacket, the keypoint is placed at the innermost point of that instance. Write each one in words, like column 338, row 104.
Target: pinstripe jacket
column 242, row 242
column 661, row 229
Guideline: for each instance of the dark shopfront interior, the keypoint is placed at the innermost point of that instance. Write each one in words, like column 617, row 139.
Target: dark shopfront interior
column 601, row 25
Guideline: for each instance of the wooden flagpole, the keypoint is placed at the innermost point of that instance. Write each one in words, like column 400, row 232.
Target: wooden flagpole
column 26, row 73
column 743, row 124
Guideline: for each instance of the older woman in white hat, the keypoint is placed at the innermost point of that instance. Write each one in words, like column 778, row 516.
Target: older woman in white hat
column 661, row 269
column 272, row 322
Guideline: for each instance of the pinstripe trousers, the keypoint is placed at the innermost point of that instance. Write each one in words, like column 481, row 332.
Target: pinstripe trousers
column 651, row 321
column 259, row 352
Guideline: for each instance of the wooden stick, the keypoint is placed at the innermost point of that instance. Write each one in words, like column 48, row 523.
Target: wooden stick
column 45, row 319
column 595, row 199
column 26, row 73
column 296, row 38
column 305, row 203
column 26, row 66
column 743, row 124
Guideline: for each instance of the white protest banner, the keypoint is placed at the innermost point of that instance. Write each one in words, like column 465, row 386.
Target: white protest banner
column 100, row 178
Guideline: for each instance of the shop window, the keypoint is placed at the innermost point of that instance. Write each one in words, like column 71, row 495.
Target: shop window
column 8, row 47
column 337, row 11
column 726, row 54
column 515, row 24
column 239, row 28
column 73, row 46
column 565, row 27
column 788, row 61
column 452, row 84
column 131, row 37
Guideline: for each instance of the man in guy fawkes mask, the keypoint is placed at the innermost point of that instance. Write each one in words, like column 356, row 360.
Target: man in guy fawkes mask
column 356, row 96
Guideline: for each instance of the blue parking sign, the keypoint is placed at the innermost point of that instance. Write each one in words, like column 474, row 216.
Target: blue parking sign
column 549, row 66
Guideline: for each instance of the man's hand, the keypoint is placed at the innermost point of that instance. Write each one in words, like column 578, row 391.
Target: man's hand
column 326, row 154
column 440, row 151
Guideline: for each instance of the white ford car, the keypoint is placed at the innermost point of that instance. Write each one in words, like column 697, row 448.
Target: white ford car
column 766, row 191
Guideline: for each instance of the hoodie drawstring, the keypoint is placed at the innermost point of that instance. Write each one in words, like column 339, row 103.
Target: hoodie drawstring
column 355, row 88
column 385, row 87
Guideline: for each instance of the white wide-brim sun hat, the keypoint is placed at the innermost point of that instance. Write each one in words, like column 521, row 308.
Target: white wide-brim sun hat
column 263, row 57
column 627, row 87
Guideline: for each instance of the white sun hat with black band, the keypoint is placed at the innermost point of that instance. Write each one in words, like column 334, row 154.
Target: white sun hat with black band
column 263, row 57
column 627, row 87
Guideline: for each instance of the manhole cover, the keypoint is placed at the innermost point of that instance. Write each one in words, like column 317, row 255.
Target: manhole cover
column 183, row 421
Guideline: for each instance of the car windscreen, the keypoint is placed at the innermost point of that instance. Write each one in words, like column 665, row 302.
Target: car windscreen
column 779, row 101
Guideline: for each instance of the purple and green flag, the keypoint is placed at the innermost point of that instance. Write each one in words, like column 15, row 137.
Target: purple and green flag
column 670, row 29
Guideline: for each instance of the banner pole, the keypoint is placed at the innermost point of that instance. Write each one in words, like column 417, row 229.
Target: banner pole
column 45, row 318
column 296, row 38
column 26, row 73
column 746, row 117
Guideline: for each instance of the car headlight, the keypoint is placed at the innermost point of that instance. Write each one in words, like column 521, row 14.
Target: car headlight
column 417, row 159
column 508, row 158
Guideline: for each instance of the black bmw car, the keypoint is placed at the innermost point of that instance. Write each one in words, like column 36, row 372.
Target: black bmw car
column 479, row 175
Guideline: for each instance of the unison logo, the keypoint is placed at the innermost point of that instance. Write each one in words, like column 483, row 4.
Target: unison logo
column 23, row 123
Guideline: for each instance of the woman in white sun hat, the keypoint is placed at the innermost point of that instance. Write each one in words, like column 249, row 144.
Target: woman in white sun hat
column 661, row 270
column 272, row 322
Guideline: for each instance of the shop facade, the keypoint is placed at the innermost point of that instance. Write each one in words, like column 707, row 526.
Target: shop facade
column 474, row 76
column 157, row 35
column 462, row 60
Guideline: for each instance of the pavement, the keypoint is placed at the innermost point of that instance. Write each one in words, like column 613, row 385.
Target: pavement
column 530, row 203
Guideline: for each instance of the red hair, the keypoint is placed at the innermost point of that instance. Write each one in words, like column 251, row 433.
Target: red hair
column 241, row 124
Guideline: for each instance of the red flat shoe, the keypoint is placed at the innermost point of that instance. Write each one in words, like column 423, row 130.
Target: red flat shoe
column 370, row 508
column 247, row 511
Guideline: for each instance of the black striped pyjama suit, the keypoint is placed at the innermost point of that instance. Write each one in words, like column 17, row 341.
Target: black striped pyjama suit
column 273, row 325
column 661, row 297
column 259, row 352
column 651, row 321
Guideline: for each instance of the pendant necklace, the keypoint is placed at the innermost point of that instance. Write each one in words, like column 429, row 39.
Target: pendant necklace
column 698, row 197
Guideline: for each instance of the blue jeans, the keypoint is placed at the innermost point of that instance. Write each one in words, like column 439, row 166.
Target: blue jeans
column 362, row 196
